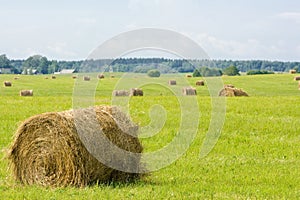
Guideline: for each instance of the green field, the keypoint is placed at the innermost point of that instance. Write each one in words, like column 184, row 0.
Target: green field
column 256, row 157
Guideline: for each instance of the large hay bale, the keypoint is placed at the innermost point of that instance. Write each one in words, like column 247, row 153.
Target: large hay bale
column 297, row 78
column 120, row 93
column 86, row 78
column 293, row 71
column 136, row 92
column 172, row 82
column 26, row 93
column 101, row 76
column 229, row 91
column 200, row 83
column 47, row 149
column 189, row 91
column 7, row 84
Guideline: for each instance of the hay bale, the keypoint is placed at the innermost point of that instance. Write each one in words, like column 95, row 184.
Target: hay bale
column 47, row 149
column 112, row 76
column 229, row 86
column 86, row 78
column 200, row 83
column 74, row 77
column 136, row 92
column 297, row 78
column 120, row 93
column 7, row 84
column 229, row 91
column 189, row 76
column 16, row 78
column 189, row 91
column 172, row 82
column 25, row 93
column 53, row 77
column 100, row 76
column 46, row 77
column 293, row 71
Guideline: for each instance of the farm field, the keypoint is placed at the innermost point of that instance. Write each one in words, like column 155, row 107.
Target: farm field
column 257, row 155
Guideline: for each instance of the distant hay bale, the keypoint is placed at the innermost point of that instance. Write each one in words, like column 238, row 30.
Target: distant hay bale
column 297, row 78
column 74, row 77
column 189, row 76
column 112, row 76
column 86, row 78
column 16, row 78
column 172, row 82
column 46, row 77
column 120, row 93
column 293, row 71
column 25, row 93
column 47, row 149
column 189, row 91
column 200, row 83
column 136, row 92
column 53, row 77
column 7, row 84
column 229, row 91
column 101, row 76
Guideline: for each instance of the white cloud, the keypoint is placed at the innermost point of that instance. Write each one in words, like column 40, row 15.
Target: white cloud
column 60, row 49
column 87, row 21
column 292, row 16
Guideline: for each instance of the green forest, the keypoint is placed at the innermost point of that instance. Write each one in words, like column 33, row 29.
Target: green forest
column 38, row 64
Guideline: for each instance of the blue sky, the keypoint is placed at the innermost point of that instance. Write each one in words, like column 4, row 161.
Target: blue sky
column 232, row 29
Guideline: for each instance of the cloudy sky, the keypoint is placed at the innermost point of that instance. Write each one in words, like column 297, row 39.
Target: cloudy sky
column 225, row 29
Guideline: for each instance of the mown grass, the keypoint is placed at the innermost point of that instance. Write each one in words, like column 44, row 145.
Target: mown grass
column 257, row 155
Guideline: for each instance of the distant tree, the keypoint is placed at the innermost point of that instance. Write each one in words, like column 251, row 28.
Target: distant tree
column 153, row 73
column 297, row 68
column 258, row 72
column 206, row 71
column 231, row 71
column 196, row 73
column 4, row 62
column 37, row 62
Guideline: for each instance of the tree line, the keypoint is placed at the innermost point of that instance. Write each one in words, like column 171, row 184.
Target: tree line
column 41, row 65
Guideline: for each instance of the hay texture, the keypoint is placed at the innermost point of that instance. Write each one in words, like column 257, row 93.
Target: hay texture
column 172, row 82
column 86, row 78
column 200, row 83
column 101, row 76
column 7, row 84
column 297, row 78
column 136, row 92
column 189, row 91
column 25, row 93
column 120, row 93
column 231, row 91
column 47, row 149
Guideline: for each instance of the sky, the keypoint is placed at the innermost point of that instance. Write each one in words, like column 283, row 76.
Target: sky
column 225, row 29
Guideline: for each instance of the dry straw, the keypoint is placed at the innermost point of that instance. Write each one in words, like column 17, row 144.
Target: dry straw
column 120, row 93
column 292, row 71
column 172, row 82
column 230, row 91
column 200, row 83
column 297, row 78
column 26, row 93
column 100, row 76
column 47, row 149
column 7, row 84
column 189, row 91
column 136, row 92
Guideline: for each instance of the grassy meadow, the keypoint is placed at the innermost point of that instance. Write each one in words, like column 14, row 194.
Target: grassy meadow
column 256, row 157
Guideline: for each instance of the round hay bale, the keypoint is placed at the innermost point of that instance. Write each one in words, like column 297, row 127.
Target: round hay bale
column 86, row 78
column 100, row 76
column 200, row 83
column 297, row 78
column 74, row 77
column 120, row 93
column 7, row 84
column 25, row 93
column 172, row 82
column 136, row 92
column 47, row 149
column 293, row 71
column 189, row 76
column 16, row 78
column 189, row 91
column 232, row 92
column 112, row 76
column 53, row 77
